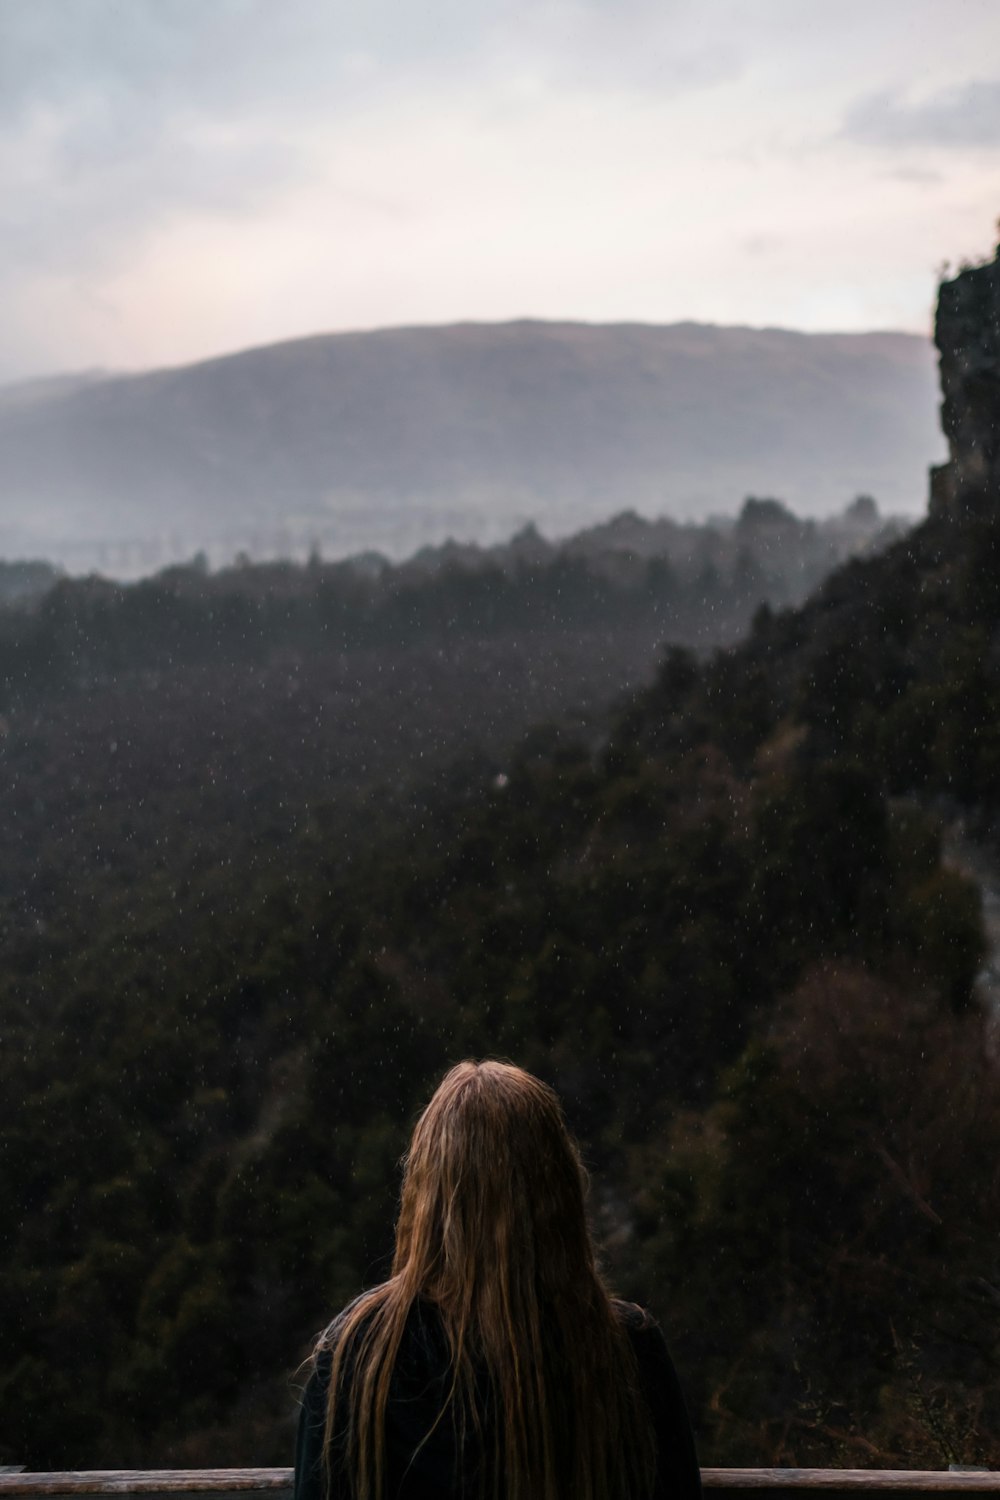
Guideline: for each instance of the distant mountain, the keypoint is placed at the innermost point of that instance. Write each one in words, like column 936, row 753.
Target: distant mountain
column 400, row 437
column 21, row 393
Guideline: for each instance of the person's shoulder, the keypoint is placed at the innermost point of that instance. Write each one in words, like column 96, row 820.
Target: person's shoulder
column 351, row 1321
column 635, row 1319
column 644, row 1334
column 353, row 1318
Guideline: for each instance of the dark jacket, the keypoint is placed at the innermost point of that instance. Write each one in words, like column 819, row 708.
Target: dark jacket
column 419, row 1387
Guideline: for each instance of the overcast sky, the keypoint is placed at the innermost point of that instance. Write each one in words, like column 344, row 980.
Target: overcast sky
column 180, row 178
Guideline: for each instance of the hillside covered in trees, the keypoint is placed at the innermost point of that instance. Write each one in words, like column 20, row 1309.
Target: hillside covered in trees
column 718, row 920
column 197, row 719
column 629, row 578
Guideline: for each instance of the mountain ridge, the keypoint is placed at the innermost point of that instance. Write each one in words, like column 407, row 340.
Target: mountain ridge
column 94, row 373
column 399, row 437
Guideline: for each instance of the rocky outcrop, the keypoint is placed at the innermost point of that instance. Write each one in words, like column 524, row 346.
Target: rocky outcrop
column 967, row 334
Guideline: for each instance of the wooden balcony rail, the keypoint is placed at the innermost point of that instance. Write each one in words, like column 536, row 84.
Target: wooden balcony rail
column 234, row 1484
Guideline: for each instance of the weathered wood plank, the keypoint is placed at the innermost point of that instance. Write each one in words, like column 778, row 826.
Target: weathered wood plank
column 233, row 1484
column 914, row 1481
column 146, row 1481
column 94, row 1485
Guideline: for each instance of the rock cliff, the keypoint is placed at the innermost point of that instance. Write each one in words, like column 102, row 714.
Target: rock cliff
column 967, row 334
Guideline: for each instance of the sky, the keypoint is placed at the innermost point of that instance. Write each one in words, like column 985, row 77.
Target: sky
column 182, row 178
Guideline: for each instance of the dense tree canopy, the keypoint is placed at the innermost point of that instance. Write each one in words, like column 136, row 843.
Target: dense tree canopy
column 718, row 922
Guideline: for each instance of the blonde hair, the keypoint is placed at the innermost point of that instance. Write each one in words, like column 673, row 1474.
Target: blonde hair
column 492, row 1229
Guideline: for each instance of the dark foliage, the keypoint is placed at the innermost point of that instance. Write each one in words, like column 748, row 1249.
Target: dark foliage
column 239, row 954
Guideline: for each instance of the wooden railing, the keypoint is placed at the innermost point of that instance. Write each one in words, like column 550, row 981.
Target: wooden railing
column 234, row 1484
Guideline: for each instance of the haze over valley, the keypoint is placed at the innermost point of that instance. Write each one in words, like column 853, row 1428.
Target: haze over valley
column 402, row 437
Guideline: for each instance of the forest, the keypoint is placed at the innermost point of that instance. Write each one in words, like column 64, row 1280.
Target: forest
column 260, row 886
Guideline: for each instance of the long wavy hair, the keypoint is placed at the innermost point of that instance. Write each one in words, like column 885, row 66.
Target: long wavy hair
column 492, row 1230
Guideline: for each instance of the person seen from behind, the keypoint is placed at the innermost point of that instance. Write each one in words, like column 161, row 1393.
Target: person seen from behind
column 494, row 1362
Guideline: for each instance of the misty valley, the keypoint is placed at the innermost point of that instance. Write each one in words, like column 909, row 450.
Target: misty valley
column 665, row 811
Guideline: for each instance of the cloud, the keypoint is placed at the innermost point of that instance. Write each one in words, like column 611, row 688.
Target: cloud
column 183, row 176
column 762, row 244
column 129, row 125
column 917, row 176
column 223, row 57
column 119, row 115
column 80, row 189
column 964, row 116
